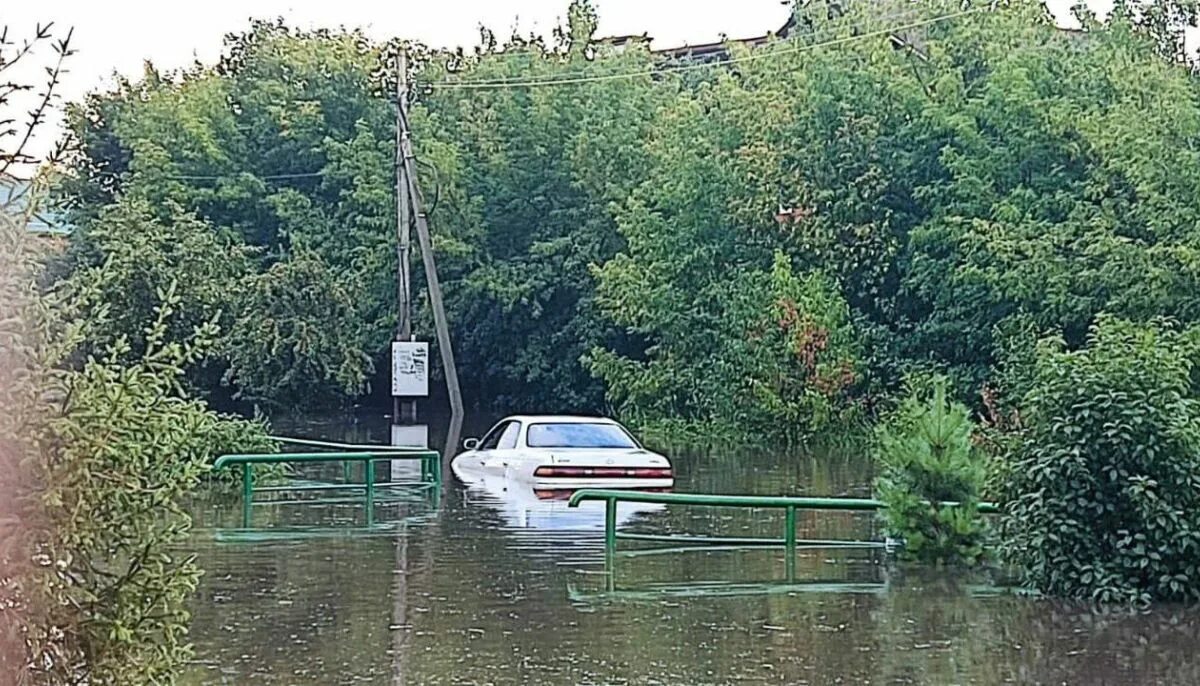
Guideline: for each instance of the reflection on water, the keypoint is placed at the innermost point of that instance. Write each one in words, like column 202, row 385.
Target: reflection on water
column 499, row 586
column 519, row 506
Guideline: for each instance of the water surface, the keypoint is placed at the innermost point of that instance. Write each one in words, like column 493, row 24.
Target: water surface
column 492, row 586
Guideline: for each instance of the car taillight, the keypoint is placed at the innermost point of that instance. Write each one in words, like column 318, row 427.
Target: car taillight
column 651, row 473
column 604, row 472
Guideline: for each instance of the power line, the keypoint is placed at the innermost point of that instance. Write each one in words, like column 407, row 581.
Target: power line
column 215, row 177
column 269, row 177
column 534, row 83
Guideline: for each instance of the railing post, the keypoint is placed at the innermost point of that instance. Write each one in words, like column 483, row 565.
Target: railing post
column 610, row 541
column 369, row 468
column 346, row 470
column 789, row 542
column 247, row 493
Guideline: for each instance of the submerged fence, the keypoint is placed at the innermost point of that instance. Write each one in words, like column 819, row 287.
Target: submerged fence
column 790, row 505
column 430, row 474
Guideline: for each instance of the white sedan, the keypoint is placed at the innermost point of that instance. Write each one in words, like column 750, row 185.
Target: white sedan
column 555, row 452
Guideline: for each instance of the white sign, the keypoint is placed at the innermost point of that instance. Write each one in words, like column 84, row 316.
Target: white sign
column 410, row 369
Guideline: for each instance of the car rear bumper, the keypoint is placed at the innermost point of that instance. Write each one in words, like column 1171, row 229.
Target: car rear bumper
column 576, row 483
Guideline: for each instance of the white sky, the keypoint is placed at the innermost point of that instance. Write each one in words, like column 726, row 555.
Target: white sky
column 118, row 35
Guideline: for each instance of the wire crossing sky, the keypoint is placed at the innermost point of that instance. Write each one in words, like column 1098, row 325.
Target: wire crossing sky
column 119, row 37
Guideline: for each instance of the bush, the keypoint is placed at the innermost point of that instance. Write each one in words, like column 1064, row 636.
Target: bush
column 1102, row 480
column 96, row 459
column 926, row 457
column 117, row 454
column 769, row 354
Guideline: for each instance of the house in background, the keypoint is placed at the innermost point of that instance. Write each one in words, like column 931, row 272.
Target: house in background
column 702, row 52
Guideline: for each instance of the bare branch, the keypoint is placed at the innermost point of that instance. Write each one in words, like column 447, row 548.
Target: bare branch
column 41, row 33
column 37, row 115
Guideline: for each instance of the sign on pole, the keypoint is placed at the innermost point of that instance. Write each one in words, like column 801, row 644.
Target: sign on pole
column 410, row 369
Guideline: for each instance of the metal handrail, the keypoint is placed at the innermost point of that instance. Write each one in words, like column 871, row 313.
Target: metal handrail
column 344, row 446
column 760, row 501
column 356, row 456
column 787, row 503
column 431, row 470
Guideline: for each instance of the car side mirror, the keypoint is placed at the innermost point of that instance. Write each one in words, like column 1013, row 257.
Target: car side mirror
column 471, row 443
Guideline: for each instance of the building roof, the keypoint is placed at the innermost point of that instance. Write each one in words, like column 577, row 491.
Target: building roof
column 719, row 49
column 15, row 197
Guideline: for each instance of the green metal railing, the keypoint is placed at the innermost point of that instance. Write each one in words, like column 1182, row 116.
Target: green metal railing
column 343, row 446
column 788, row 504
column 313, row 443
column 431, row 473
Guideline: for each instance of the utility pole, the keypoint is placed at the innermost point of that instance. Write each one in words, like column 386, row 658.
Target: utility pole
column 402, row 407
column 411, row 199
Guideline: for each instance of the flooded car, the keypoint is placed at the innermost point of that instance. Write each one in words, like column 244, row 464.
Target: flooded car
column 563, row 453
column 521, row 506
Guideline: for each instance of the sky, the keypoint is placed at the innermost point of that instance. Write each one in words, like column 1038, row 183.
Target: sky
column 119, row 35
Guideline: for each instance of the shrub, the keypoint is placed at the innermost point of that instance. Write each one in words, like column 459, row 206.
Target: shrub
column 926, row 457
column 1102, row 481
column 97, row 457
column 118, row 453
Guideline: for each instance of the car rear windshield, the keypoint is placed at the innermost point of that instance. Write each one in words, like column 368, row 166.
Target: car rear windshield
column 578, row 435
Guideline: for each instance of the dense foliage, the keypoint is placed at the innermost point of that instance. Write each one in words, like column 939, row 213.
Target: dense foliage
column 763, row 353
column 935, row 187
column 286, row 148
column 927, row 457
column 527, row 177
column 280, row 156
column 1103, row 478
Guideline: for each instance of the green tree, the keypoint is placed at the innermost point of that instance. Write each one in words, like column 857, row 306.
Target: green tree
column 283, row 148
column 125, row 260
column 927, row 457
column 287, row 341
column 526, row 177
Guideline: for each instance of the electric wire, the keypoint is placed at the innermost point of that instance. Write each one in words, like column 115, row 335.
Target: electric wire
column 534, row 83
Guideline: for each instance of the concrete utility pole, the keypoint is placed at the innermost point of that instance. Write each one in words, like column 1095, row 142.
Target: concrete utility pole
column 402, row 408
column 411, row 199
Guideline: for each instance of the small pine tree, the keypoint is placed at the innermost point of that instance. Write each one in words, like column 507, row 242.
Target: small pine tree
column 926, row 457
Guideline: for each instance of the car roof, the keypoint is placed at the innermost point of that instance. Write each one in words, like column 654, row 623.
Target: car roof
column 558, row 418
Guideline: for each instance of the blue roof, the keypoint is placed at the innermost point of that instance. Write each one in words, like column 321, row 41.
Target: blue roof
column 15, row 192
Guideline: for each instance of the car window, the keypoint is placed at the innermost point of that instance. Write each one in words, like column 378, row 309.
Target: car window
column 508, row 439
column 578, row 435
column 491, row 440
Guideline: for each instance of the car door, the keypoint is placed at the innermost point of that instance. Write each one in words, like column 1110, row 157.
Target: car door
column 486, row 453
column 505, row 456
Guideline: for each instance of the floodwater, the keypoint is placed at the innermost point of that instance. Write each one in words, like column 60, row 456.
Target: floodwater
column 495, row 586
